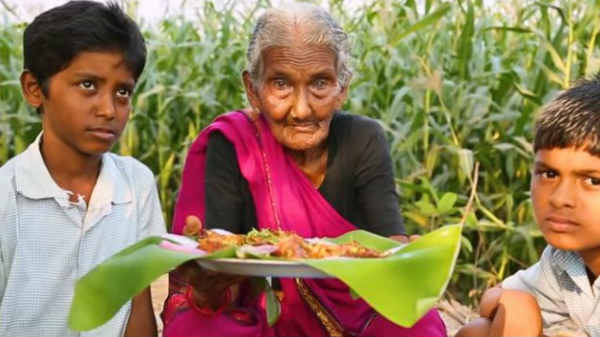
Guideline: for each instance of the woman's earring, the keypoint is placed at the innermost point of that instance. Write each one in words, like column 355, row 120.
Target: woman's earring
column 255, row 112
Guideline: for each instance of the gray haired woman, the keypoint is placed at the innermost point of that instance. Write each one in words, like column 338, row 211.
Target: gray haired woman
column 293, row 162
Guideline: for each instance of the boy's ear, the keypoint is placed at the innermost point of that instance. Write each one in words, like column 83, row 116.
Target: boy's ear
column 32, row 90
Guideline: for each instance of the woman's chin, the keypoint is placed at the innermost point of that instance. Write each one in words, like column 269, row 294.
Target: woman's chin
column 302, row 142
column 305, row 146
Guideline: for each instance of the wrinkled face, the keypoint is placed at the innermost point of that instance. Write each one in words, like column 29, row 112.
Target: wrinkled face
column 565, row 191
column 88, row 102
column 298, row 94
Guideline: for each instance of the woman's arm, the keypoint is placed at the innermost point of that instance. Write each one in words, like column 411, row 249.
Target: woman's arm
column 228, row 202
column 374, row 183
column 141, row 321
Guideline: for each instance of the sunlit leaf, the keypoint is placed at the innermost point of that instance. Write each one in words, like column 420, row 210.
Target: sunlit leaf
column 406, row 274
column 427, row 20
column 446, row 202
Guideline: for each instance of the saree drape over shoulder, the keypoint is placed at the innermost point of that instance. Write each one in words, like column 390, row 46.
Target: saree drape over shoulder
column 285, row 199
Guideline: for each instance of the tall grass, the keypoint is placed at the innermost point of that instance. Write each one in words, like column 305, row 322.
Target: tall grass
column 452, row 82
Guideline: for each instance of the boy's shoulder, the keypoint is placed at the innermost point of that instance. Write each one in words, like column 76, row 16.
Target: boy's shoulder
column 128, row 170
column 7, row 189
column 556, row 269
column 133, row 169
column 7, row 174
column 543, row 273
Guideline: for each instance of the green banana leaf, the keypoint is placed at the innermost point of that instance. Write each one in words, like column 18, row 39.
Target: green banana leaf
column 402, row 287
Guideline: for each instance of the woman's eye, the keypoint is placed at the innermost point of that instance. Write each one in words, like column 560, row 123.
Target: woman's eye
column 87, row 85
column 123, row 92
column 280, row 83
column 320, row 83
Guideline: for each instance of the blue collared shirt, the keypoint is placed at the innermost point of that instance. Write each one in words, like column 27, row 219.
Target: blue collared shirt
column 48, row 242
column 562, row 288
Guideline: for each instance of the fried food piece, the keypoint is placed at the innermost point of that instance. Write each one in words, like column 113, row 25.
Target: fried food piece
column 349, row 249
column 291, row 246
column 211, row 241
column 288, row 245
column 355, row 249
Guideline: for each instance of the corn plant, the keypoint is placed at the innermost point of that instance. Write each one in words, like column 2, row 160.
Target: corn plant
column 451, row 82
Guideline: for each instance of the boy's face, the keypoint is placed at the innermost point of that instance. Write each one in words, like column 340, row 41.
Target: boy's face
column 565, row 190
column 88, row 102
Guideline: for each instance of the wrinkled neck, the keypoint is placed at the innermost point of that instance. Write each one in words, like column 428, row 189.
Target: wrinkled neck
column 313, row 163
column 308, row 157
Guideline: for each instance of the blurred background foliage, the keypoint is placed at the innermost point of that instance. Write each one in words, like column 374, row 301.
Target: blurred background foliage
column 452, row 82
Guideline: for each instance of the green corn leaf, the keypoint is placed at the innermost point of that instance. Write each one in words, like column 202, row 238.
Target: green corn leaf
column 166, row 172
column 425, row 206
column 426, row 21
column 526, row 92
column 558, row 62
column 510, row 29
column 446, row 202
column 416, row 217
column 466, row 43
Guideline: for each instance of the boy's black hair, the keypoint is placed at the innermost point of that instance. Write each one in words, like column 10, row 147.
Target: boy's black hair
column 57, row 36
column 572, row 119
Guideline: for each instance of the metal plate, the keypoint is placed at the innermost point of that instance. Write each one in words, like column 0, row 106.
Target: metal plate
column 256, row 267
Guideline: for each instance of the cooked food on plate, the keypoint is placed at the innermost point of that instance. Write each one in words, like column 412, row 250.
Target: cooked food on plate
column 284, row 244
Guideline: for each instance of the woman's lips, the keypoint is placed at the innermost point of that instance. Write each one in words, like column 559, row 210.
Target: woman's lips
column 308, row 127
column 561, row 224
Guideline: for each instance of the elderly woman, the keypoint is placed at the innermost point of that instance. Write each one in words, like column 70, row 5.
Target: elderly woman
column 292, row 161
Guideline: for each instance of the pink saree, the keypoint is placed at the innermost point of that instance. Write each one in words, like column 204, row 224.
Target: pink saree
column 285, row 199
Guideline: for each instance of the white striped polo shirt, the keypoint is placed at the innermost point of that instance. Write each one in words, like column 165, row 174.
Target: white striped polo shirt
column 47, row 242
column 562, row 288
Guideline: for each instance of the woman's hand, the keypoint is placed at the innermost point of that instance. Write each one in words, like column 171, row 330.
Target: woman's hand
column 405, row 238
column 193, row 225
column 209, row 287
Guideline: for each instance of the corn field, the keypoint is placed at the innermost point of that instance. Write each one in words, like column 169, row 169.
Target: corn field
column 453, row 83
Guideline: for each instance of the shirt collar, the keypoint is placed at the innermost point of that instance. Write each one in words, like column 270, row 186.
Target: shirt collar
column 111, row 185
column 567, row 260
column 574, row 266
column 33, row 180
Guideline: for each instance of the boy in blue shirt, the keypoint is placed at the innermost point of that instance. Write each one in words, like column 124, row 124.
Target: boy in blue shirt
column 565, row 191
column 66, row 203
